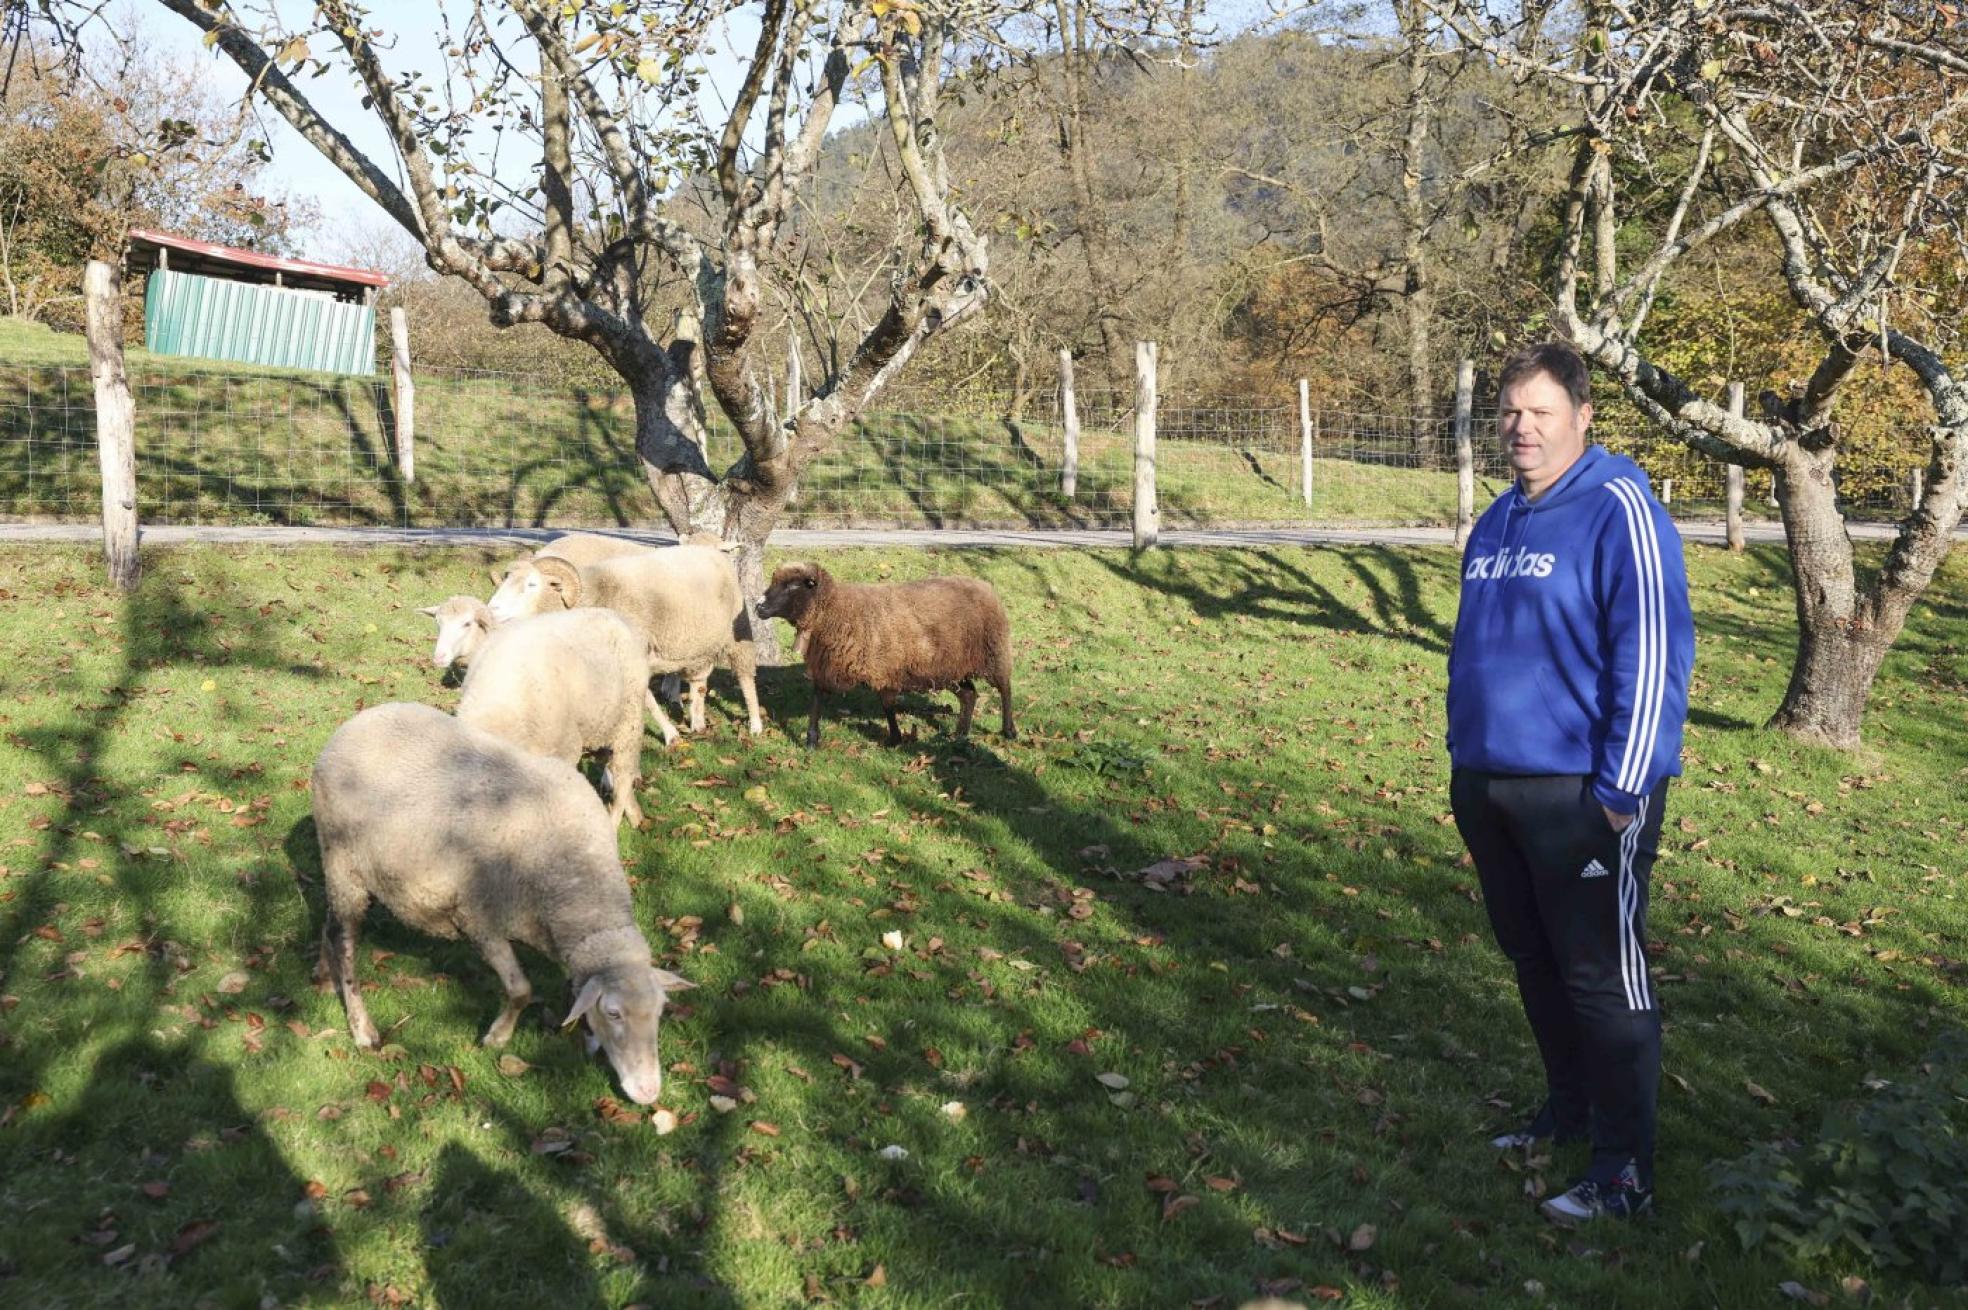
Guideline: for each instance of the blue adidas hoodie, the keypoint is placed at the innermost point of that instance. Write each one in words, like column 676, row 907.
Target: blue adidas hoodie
column 1574, row 640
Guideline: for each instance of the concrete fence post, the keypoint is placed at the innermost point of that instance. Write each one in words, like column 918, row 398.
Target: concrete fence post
column 1147, row 518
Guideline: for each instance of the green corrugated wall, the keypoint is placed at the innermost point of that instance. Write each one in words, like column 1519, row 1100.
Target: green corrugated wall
column 210, row 318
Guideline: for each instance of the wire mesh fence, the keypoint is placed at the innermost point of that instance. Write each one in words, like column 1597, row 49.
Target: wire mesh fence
column 222, row 446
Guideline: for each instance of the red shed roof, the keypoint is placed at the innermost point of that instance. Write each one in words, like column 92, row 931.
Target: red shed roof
column 249, row 265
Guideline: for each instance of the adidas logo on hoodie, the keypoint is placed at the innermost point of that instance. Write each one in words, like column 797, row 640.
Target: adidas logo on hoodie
column 1503, row 564
column 1595, row 870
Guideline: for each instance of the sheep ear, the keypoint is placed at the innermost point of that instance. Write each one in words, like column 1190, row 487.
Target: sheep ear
column 590, row 993
column 563, row 578
column 672, row 982
column 430, row 610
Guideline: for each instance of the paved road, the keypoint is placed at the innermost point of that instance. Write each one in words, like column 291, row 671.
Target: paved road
column 820, row 539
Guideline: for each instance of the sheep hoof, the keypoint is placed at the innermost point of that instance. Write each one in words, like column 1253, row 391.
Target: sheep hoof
column 366, row 1036
column 496, row 1038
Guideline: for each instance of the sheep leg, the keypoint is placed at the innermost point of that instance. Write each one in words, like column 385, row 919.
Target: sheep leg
column 1003, row 683
column 813, row 722
column 894, row 728
column 698, row 687
column 624, row 769
column 966, row 706
column 748, row 688
column 655, row 708
column 338, row 946
column 498, row 953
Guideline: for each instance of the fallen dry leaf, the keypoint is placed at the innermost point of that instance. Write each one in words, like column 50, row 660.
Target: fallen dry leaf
column 665, row 1122
column 1175, row 1205
column 1363, row 1238
column 192, row 1235
column 1759, row 1093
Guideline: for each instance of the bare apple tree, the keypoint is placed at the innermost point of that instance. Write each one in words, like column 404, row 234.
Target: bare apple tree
column 1818, row 137
column 649, row 215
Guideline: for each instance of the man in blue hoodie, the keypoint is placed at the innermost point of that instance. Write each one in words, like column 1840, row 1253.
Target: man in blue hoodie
column 1568, row 685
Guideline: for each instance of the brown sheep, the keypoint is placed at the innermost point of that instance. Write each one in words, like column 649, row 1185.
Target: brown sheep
column 895, row 637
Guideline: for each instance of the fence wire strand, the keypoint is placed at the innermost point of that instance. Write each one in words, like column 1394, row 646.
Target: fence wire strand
column 224, row 447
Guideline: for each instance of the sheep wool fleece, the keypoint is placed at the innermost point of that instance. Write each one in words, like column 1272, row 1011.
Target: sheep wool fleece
column 1568, row 688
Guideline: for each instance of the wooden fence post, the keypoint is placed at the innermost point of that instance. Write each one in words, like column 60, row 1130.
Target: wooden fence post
column 116, row 420
column 1147, row 520
column 1735, row 477
column 1465, row 451
column 1305, row 441
column 1069, row 414
column 405, row 400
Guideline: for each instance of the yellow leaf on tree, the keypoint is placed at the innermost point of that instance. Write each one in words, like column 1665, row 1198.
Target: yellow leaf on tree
column 649, row 70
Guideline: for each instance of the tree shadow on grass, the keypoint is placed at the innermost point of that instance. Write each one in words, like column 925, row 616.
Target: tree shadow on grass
column 109, row 1066
column 1278, row 586
column 490, row 1240
column 144, row 1173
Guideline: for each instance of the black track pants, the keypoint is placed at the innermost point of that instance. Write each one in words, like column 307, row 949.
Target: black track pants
column 1567, row 898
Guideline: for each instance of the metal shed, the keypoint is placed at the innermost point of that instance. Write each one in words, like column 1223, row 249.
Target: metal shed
column 218, row 302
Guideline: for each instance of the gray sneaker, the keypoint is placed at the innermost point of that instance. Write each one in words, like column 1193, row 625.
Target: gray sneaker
column 1622, row 1196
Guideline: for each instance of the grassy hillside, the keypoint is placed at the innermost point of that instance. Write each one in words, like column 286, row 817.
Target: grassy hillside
column 1315, row 1030
column 217, row 445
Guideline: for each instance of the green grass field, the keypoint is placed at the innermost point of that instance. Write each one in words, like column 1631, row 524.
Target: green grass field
column 1314, row 1027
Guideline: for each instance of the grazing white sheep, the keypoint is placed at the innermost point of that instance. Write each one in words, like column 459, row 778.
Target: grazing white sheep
column 463, row 834
column 685, row 600
column 584, row 548
column 565, row 685
column 463, row 624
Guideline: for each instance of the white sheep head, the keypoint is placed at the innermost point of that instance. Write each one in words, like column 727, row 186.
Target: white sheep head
column 624, row 1010
column 463, row 624
column 535, row 586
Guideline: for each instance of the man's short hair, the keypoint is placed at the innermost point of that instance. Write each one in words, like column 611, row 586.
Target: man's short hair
column 1563, row 363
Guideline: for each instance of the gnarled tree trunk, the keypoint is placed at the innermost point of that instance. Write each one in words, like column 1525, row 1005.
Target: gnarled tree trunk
column 742, row 514
column 1843, row 633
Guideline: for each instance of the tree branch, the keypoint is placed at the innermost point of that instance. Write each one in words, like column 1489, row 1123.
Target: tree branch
column 279, row 91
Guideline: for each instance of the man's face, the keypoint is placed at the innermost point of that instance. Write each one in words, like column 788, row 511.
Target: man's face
column 1542, row 432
